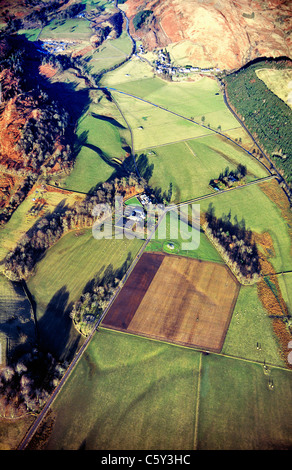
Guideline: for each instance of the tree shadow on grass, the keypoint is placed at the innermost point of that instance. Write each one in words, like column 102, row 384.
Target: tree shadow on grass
column 56, row 331
column 108, row 119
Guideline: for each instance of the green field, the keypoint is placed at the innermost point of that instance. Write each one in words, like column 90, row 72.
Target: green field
column 136, row 394
column 190, row 99
column 153, row 126
column 131, row 71
column 189, row 166
column 248, row 415
column 72, row 29
column 69, row 265
column 103, row 136
column 89, row 171
column 261, row 214
column 250, row 325
column 205, row 250
column 133, row 201
column 109, row 54
column 132, row 393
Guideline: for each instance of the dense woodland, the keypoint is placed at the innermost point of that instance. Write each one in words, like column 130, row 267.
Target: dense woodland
column 237, row 242
column 43, row 140
column 20, row 263
column 41, row 13
column 266, row 116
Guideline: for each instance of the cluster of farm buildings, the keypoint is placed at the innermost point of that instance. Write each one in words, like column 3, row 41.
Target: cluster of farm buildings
column 163, row 65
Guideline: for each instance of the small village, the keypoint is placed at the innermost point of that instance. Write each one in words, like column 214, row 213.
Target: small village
column 164, row 66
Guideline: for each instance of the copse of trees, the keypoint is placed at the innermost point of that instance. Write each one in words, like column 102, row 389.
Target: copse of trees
column 140, row 18
column 229, row 177
column 26, row 384
column 236, row 241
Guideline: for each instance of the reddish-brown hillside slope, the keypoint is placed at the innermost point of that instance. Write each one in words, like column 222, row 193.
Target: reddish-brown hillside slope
column 219, row 33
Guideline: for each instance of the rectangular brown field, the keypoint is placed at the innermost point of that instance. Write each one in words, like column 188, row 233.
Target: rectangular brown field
column 176, row 299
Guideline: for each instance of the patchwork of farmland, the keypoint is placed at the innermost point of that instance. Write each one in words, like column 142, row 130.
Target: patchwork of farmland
column 176, row 299
column 133, row 393
column 185, row 358
column 71, row 264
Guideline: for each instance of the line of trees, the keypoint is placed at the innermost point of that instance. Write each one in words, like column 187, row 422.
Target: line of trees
column 96, row 296
column 236, row 241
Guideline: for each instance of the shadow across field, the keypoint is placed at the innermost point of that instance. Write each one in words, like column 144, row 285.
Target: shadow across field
column 56, row 332
column 111, row 120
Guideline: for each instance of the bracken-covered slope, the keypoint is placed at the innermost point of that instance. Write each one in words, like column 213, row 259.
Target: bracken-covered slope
column 226, row 34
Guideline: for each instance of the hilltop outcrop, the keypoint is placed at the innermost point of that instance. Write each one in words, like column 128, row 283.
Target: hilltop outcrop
column 225, row 34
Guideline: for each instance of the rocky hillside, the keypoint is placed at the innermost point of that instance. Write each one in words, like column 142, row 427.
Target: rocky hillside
column 224, row 34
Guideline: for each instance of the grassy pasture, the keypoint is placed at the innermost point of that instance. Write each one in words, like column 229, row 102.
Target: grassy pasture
column 250, row 325
column 261, row 214
column 279, row 82
column 189, row 166
column 134, row 393
column 205, row 250
column 152, row 126
column 128, row 393
column 211, row 148
column 190, row 99
column 30, row 34
column 69, row 265
column 89, row 170
column 109, row 54
column 103, row 135
column 104, row 4
column 253, row 416
column 131, row 71
column 72, row 29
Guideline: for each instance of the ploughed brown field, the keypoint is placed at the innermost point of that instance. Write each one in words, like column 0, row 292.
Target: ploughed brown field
column 176, row 299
